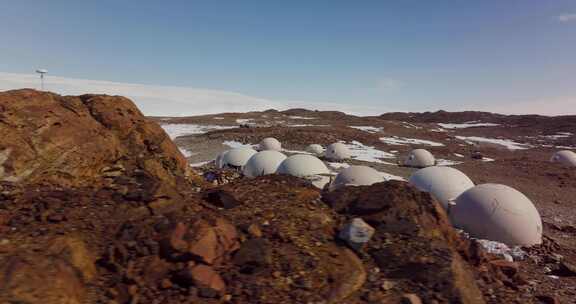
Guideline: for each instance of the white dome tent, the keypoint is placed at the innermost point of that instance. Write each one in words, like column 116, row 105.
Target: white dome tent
column 263, row 163
column 236, row 157
column 337, row 151
column 270, row 143
column 420, row 158
column 356, row 176
column 302, row 165
column 315, row 149
column 564, row 157
column 443, row 183
column 498, row 213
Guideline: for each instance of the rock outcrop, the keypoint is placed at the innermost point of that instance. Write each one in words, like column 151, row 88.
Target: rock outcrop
column 80, row 140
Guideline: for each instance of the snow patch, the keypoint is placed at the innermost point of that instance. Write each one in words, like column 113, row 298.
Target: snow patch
column 511, row 254
column 336, row 166
column 400, row 141
column 301, row 117
column 243, row 121
column 447, row 162
column 177, row 130
column 559, row 135
column 467, row 125
column 365, row 153
column 388, row 176
column 306, row 125
column 200, row 164
column 185, row 152
column 509, row 144
column 368, row 129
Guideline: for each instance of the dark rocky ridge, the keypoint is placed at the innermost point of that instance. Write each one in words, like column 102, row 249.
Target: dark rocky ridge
column 147, row 230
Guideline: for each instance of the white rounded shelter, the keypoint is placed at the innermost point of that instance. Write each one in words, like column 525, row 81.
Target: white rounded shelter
column 302, row 165
column 270, row 143
column 498, row 213
column 356, row 176
column 337, row 151
column 315, row 149
column 419, row 158
column 443, row 183
column 565, row 157
column 263, row 163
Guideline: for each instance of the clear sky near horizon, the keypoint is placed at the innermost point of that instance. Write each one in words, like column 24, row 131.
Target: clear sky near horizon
column 408, row 55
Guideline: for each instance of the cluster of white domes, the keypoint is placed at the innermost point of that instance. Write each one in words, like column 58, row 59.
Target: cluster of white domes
column 488, row 211
column 565, row 157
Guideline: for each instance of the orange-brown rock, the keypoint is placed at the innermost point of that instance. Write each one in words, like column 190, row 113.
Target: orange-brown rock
column 211, row 244
column 79, row 140
column 31, row 278
column 204, row 276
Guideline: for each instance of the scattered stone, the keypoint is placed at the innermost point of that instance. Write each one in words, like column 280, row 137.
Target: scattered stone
column 387, row 285
column 254, row 231
column 356, row 233
column 410, row 298
column 203, row 277
column 253, row 256
column 547, row 299
column 34, row 279
column 221, row 198
column 565, row 269
column 510, row 269
column 211, row 244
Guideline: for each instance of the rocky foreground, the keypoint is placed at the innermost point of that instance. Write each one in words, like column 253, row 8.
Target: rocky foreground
column 98, row 205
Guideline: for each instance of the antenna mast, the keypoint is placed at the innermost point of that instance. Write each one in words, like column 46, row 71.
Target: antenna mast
column 42, row 72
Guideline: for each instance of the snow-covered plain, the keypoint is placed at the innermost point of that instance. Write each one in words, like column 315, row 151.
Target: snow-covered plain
column 507, row 143
column 177, row 130
column 401, row 141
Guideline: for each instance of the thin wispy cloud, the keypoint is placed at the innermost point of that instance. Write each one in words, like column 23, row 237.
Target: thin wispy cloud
column 565, row 18
column 157, row 100
column 389, row 84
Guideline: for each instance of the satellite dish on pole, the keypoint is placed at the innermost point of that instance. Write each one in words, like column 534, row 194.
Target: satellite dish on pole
column 42, row 72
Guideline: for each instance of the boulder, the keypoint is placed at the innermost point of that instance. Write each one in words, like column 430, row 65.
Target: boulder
column 82, row 140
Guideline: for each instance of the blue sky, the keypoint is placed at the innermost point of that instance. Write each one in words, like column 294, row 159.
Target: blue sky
column 410, row 55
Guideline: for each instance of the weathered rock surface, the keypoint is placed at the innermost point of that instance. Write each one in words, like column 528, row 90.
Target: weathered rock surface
column 96, row 206
column 414, row 244
column 78, row 140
